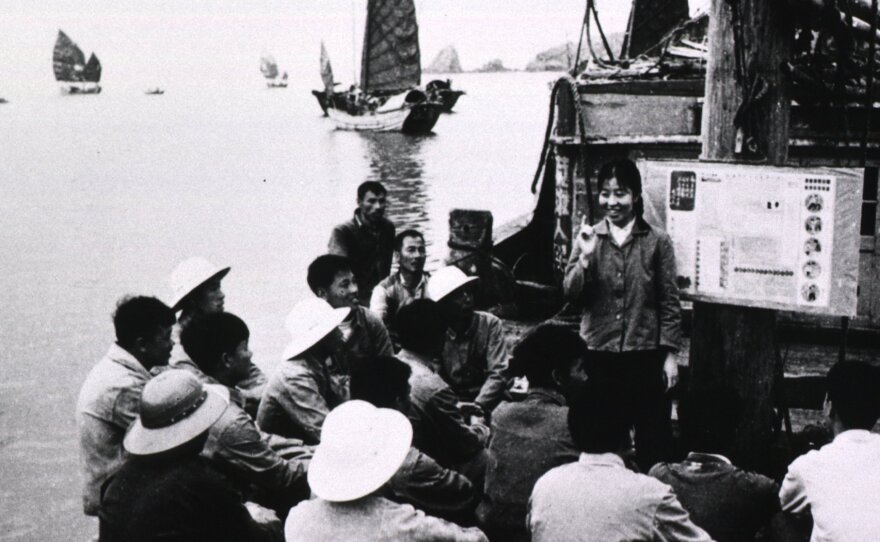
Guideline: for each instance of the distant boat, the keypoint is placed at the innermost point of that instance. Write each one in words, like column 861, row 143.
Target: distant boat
column 73, row 73
column 155, row 91
column 328, row 95
column 442, row 91
column 270, row 71
column 388, row 98
column 4, row 101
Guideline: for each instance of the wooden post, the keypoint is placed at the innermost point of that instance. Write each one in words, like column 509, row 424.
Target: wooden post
column 735, row 345
column 470, row 247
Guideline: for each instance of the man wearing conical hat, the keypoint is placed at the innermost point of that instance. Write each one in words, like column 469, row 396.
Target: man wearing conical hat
column 302, row 390
column 165, row 490
column 361, row 449
column 108, row 399
column 475, row 353
column 196, row 291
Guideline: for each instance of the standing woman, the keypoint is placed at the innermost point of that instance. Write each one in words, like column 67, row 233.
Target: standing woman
column 622, row 272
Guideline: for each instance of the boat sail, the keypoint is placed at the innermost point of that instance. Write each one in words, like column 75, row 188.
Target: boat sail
column 328, row 95
column 270, row 71
column 388, row 99
column 75, row 75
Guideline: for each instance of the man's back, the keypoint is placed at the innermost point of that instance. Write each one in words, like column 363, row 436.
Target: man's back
column 298, row 397
column 438, row 428
column 176, row 500
column 838, row 485
column 598, row 499
column 107, row 404
column 729, row 503
column 370, row 519
column 528, row 439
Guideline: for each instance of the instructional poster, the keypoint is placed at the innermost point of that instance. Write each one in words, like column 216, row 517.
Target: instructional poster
column 784, row 238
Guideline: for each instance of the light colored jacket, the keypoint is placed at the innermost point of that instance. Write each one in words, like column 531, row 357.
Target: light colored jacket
column 300, row 394
column 371, row 519
column 628, row 293
column 108, row 403
column 838, row 485
column 598, row 499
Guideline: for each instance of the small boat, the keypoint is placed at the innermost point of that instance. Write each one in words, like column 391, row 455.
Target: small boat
column 443, row 92
column 388, row 98
column 155, row 91
column 4, row 101
column 328, row 95
column 73, row 73
column 270, row 71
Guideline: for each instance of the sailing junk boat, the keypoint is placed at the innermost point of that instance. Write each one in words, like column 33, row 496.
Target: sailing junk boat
column 270, row 71
column 75, row 75
column 328, row 95
column 388, row 99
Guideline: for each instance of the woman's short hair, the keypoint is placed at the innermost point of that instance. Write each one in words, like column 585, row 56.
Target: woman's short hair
column 627, row 174
column 547, row 348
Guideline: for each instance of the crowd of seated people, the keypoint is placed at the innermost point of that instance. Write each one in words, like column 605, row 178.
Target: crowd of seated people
column 355, row 437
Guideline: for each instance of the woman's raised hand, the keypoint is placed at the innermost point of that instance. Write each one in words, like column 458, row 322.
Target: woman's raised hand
column 586, row 239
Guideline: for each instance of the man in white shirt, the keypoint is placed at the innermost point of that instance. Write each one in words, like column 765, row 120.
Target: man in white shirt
column 837, row 485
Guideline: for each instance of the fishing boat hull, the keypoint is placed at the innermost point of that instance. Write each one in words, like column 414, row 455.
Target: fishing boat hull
column 449, row 98
column 386, row 121
column 80, row 88
column 422, row 118
column 411, row 118
column 336, row 100
column 276, row 84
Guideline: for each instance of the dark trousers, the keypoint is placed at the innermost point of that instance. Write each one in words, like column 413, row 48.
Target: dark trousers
column 638, row 378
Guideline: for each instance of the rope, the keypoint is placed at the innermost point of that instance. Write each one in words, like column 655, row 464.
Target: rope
column 566, row 80
column 577, row 56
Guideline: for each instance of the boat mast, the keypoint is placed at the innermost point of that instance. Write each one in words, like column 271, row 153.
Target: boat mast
column 354, row 43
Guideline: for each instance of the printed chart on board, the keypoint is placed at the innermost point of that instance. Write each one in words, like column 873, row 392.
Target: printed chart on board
column 755, row 236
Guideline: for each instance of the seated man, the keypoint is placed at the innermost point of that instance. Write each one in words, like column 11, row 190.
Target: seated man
column 218, row 344
column 729, row 503
column 361, row 448
column 165, row 491
column 302, row 391
column 367, row 239
column 196, row 291
column 109, row 397
column 410, row 281
column 440, row 429
column 475, row 354
column 531, row 437
column 364, row 335
column 837, row 485
column 420, row 481
column 597, row 498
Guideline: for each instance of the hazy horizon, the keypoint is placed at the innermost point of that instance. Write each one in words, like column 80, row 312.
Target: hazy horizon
column 161, row 43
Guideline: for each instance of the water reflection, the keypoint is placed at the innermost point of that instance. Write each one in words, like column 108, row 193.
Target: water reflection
column 397, row 161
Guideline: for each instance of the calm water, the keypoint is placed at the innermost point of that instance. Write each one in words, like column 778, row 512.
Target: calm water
column 103, row 195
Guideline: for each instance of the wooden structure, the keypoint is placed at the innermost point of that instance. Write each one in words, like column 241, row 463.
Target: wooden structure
column 597, row 119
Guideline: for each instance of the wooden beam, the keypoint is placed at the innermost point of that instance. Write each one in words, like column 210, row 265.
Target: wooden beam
column 729, row 344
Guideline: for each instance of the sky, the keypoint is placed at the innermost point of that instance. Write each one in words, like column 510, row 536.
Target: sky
column 149, row 42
